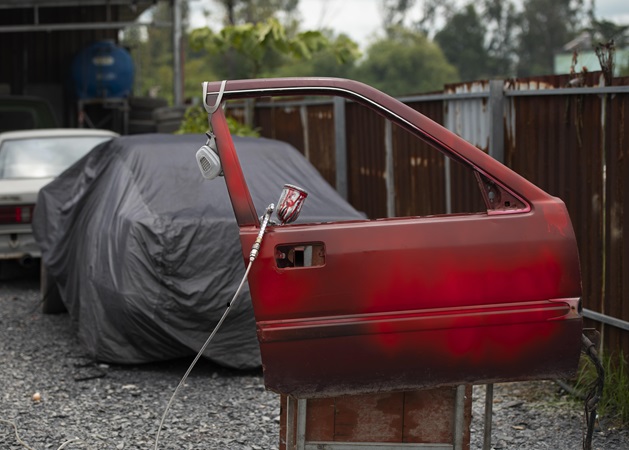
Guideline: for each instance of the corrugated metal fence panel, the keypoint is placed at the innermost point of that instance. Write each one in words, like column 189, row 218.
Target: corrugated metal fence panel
column 419, row 176
column 282, row 123
column 321, row 146
column 617, row 249
column 469, row 118
column 431, row 109
column 418, row 169
column 418, row 172
column 466, row 195
column 263, row 119
column 366, row 160
column 555, row 142
column 309, row 128
column 237, row 111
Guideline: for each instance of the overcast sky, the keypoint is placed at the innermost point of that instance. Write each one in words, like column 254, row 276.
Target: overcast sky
column 361, row 19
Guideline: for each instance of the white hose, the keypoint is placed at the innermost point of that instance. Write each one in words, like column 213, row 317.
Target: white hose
column 253, row 255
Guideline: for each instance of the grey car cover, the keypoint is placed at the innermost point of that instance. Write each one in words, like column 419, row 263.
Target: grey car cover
column 146, row 253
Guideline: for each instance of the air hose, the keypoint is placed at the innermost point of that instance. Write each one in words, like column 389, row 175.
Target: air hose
column 252, row 257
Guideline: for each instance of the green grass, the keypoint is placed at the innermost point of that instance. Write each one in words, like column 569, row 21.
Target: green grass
column 614, row 404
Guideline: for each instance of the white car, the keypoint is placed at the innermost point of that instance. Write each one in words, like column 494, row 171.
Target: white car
column 29, row 160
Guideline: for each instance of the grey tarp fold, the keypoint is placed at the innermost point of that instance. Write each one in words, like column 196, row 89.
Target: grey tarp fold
column 146, row 254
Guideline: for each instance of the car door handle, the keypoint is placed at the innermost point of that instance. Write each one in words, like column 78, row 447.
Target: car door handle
column 311, row 254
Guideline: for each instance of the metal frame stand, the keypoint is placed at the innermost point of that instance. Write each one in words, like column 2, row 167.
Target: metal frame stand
column 118, row 115
column 296, row 429
column 489, row 405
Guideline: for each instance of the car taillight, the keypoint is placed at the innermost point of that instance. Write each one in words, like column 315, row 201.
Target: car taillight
column 16, row 214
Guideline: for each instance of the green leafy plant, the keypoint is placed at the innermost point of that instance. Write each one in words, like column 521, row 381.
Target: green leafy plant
column 614, row 404
column 254, row 41
column 240, row 129
column 195, row 121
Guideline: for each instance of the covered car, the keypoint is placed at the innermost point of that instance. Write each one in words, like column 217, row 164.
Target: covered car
column 145, row 253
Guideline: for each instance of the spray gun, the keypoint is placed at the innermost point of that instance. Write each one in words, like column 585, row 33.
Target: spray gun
column 265, row 221
column 289, row 207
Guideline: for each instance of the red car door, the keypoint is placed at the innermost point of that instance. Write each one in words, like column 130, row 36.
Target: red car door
column 413, row 302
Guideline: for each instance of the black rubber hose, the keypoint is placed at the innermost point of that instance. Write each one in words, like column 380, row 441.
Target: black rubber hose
column 594, row 396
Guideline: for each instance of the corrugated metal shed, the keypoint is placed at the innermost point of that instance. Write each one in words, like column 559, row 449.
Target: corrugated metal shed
column 39, row 39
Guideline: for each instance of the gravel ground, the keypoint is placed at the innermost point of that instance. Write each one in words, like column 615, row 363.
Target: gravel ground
column 86, row 405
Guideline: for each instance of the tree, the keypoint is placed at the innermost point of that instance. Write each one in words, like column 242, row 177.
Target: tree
column 396, row 14
column 406, row 62
column 480, row 39
column 605, row 31
column 395, row 11
column 501, row 23
column 254, row 11
column 546, row 25
column 432, row 12
column 462, row 41
column 196, row 71
column 324, row 63
column 257, row 42
column 152, row 54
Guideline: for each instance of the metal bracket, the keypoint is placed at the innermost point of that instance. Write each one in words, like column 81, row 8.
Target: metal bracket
column 212, row 109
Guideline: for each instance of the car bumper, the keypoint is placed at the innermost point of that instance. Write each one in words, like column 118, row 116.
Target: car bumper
column 18, row 245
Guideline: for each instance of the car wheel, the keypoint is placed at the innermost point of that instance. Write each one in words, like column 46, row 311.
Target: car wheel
column 51, row 299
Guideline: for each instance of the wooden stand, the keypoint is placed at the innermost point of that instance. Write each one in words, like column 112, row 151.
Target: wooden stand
column 432, row 419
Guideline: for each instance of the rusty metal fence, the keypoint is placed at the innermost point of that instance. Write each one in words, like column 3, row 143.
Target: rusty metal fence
column 571, row 142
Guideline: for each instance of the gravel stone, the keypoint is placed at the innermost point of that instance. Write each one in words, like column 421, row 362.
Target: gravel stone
column 85, row 404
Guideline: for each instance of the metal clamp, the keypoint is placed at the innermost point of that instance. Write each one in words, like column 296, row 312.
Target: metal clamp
column 219, row 98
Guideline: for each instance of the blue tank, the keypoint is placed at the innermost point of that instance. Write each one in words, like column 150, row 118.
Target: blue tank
column 102, row 70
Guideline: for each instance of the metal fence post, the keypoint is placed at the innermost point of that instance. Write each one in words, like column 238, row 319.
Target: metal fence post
column 303, row 114
column 390, row 168
column 177, row 61
column 496, row 120
column 340, row 141
column 489, row 408
column 459, row 418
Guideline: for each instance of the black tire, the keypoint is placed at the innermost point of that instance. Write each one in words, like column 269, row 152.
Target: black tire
column 168, row 126
column 141, row 126
column 141, row 114
column 51, row 299
column 169, row 113
column 149, row 103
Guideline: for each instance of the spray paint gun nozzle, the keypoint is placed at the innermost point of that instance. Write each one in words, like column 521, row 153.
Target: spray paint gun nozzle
column 265, row 221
